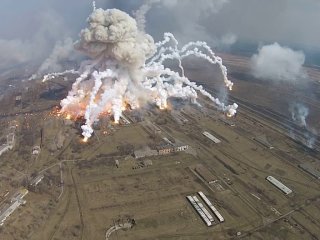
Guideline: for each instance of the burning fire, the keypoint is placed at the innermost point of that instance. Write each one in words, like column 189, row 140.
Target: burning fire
column 164, row 106
column 85, row 140
column 68, row 117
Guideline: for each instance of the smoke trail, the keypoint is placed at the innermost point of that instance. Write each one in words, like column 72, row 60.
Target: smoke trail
column 140, row 14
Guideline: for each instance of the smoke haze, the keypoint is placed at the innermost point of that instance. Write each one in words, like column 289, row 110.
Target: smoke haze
column 37, row 26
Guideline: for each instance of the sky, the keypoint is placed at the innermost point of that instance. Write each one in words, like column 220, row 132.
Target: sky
column 30, row 29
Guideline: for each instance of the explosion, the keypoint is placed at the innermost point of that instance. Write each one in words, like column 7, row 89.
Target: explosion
column 126, row 69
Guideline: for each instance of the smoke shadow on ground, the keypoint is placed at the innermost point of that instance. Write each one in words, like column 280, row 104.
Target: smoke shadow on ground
column 54, row 94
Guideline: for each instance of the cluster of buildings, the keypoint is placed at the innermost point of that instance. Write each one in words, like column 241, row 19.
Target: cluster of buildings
column 165, row 148
column 15, row 202
column 171, row 148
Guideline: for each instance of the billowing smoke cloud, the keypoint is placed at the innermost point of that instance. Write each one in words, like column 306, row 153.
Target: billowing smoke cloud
column 277, row 63
column 127, row 68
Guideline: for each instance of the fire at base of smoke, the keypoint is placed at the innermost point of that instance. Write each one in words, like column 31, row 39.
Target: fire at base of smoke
column 127, row 69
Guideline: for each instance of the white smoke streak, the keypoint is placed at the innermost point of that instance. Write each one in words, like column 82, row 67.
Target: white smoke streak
column 140, row 14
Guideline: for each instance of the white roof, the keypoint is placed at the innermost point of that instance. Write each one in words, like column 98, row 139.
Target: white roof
column 211, row 137
column 279, row 185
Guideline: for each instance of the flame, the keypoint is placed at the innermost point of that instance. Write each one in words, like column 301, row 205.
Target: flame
column 164, row 106
column 85, row 140
column 68, row 117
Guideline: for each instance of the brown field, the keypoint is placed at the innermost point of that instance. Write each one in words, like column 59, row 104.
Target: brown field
column 83, row 193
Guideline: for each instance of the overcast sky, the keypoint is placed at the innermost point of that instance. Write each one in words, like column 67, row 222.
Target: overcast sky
column 38, row 24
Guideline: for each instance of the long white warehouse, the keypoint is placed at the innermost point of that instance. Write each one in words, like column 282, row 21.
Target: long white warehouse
column 213, row 209
column 16, row 201
column 204, row 210
column 279, row 185
column 199, row 211
column 211, row 137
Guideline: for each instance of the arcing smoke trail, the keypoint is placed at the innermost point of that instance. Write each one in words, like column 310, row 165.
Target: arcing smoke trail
column 140, row 14
column 127, row 68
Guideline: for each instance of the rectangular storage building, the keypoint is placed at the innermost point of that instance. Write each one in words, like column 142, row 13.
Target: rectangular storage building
column 199, row 211
column 211, row 137
column 213, row 209
column 279, row 185
column 204, row 210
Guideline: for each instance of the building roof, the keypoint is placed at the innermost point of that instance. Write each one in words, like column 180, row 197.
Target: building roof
column 211, row 137
column 279, row 185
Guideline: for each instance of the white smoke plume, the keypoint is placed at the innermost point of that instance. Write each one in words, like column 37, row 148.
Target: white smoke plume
column 127, row 68
column 277, row 63
column 61, row 51
column 299, row 113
